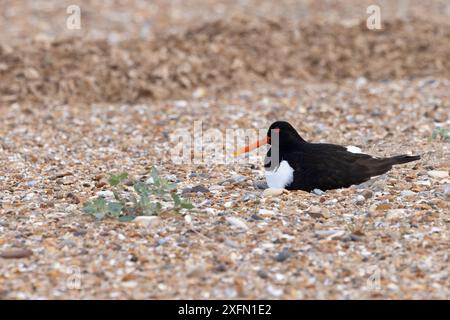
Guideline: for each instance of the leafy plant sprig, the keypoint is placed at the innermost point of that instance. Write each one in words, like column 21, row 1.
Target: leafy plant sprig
column 440, row 133
column 145, row 198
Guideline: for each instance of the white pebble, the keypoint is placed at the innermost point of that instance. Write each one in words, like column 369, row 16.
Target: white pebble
column 237, row 222
column 105, row 194
column 394, row 214
column 274, row 290
column 228, row 204
column 147, row 221
column 273, row 192
column 359, row 199
column 265, row 212
column 407, row 193
column 438, row 174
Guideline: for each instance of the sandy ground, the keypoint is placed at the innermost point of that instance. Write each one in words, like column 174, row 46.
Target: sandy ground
column 75, row 107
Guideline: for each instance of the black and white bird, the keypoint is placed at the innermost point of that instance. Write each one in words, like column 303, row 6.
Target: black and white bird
column 295, row 164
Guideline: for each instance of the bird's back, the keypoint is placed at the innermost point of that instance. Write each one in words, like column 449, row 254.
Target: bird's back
column 328, row 166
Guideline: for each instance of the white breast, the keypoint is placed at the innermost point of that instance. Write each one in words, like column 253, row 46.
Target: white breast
column 281, row 177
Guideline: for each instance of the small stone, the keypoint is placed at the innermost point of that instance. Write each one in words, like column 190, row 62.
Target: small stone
column 273, row 192
column 181, row 104
column 201, row 175
column 274, row 290
column 394, row 214
column 315, row 215
column 68, row 243
column 79, row 233
column 108, row 195
column 61, row 175
column 383, row 207
column 352, row 237
column 237, row 222
column 238, row 178
column 221, row 267
column 329, row 234
column 199, row 93
column 283, row 255
column 359, row 199
column 101, row 183
column 216, row 188
column 367, row 194
column 392, row 287
column 424, row 183
column 196, row 189
column 318, row 192
column 314, row 209
column 265, row 212
column 97, row 177
column 147, row 221
column 235, row 179
column 248, row 196
column 31, row 74
column 71, row 208
column 130, row 284
column 172, row 178
column 438, row 174
column 16, row 253
column 260, row 184
column 74, row 198
column 256, row 217
column 407, row 193
column 162, row 241
column 263, row 274
column 68, row 180
column 360, row 82
column 447, row 191
column 31, row 183
column 29, row 196
column 57, row 214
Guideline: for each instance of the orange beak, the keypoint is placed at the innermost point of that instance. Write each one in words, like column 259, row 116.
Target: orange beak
column 251, row 147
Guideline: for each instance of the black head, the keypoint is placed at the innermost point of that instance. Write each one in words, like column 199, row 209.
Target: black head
column 281, row 135
column 287, row 135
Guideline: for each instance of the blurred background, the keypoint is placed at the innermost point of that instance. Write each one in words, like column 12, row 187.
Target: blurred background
column 117, row 20
column 176, row 49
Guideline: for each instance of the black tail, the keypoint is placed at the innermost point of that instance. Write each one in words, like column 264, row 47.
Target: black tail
column 403, row 159
column 380, row 166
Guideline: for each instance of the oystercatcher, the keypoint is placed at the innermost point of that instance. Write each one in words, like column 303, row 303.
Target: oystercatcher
column 295, row 164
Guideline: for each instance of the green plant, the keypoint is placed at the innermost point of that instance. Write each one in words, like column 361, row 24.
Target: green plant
column 440, row 133
column 144, row 199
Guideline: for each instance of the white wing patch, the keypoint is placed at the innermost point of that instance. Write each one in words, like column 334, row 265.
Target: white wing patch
column 281, row 177
column 354, row 149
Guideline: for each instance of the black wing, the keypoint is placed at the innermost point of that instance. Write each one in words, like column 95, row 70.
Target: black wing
column 325, row 168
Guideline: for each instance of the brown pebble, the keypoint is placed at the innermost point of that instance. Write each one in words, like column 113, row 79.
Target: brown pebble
column 98, row 177
column 61, row 175
column 74, row 198
column 367, row 194
column 101, row 183
column 16, row 253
